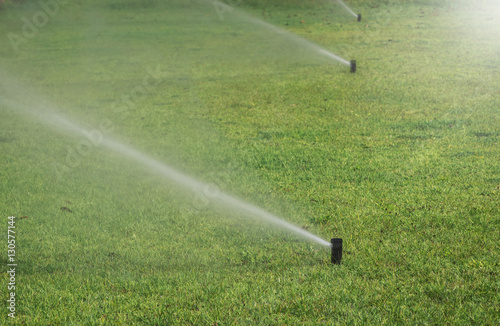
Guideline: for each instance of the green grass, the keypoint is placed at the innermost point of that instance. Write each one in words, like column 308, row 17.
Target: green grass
column 401, row 160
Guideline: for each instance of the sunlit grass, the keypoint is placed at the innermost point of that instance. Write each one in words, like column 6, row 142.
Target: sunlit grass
column 401, row 160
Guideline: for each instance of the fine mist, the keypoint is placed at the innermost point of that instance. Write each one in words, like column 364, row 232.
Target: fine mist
column 204, row 47
column 55, row 120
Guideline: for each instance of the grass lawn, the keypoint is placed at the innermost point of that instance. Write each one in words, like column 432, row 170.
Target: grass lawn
column 400, row 159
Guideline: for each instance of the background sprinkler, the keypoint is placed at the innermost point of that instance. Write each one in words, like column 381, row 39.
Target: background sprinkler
column 336, row 250
column 359, row 17
column 353, row 66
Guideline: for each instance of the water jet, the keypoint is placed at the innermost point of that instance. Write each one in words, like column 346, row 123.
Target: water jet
column 336, row 250
column 49, row 116
column 243, row 16
column 353, row 66
column 349, row 9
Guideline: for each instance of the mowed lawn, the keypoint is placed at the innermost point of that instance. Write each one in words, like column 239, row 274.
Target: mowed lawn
column 400, row 159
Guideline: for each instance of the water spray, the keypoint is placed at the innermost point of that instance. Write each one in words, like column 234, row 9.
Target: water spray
column 349, row 10
column 47, row 115
column 336, row 251
column 353, row 66
column 279, row 31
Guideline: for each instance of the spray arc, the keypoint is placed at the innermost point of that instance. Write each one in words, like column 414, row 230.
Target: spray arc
column 45, row 114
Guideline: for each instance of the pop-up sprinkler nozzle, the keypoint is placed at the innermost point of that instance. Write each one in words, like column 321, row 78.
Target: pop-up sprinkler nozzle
column 359, row 17
column 336, row 250
column 353, row 66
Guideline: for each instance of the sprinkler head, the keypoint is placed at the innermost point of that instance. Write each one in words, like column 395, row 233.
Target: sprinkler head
column 353, row 66
column 336, row 251
column 359, row 17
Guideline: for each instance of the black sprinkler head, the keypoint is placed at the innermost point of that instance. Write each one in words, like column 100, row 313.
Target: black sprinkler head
column 359, row 17
column 336, row 250
column 353, row 66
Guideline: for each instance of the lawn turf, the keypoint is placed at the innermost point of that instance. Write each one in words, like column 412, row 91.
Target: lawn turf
column 400, row 159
